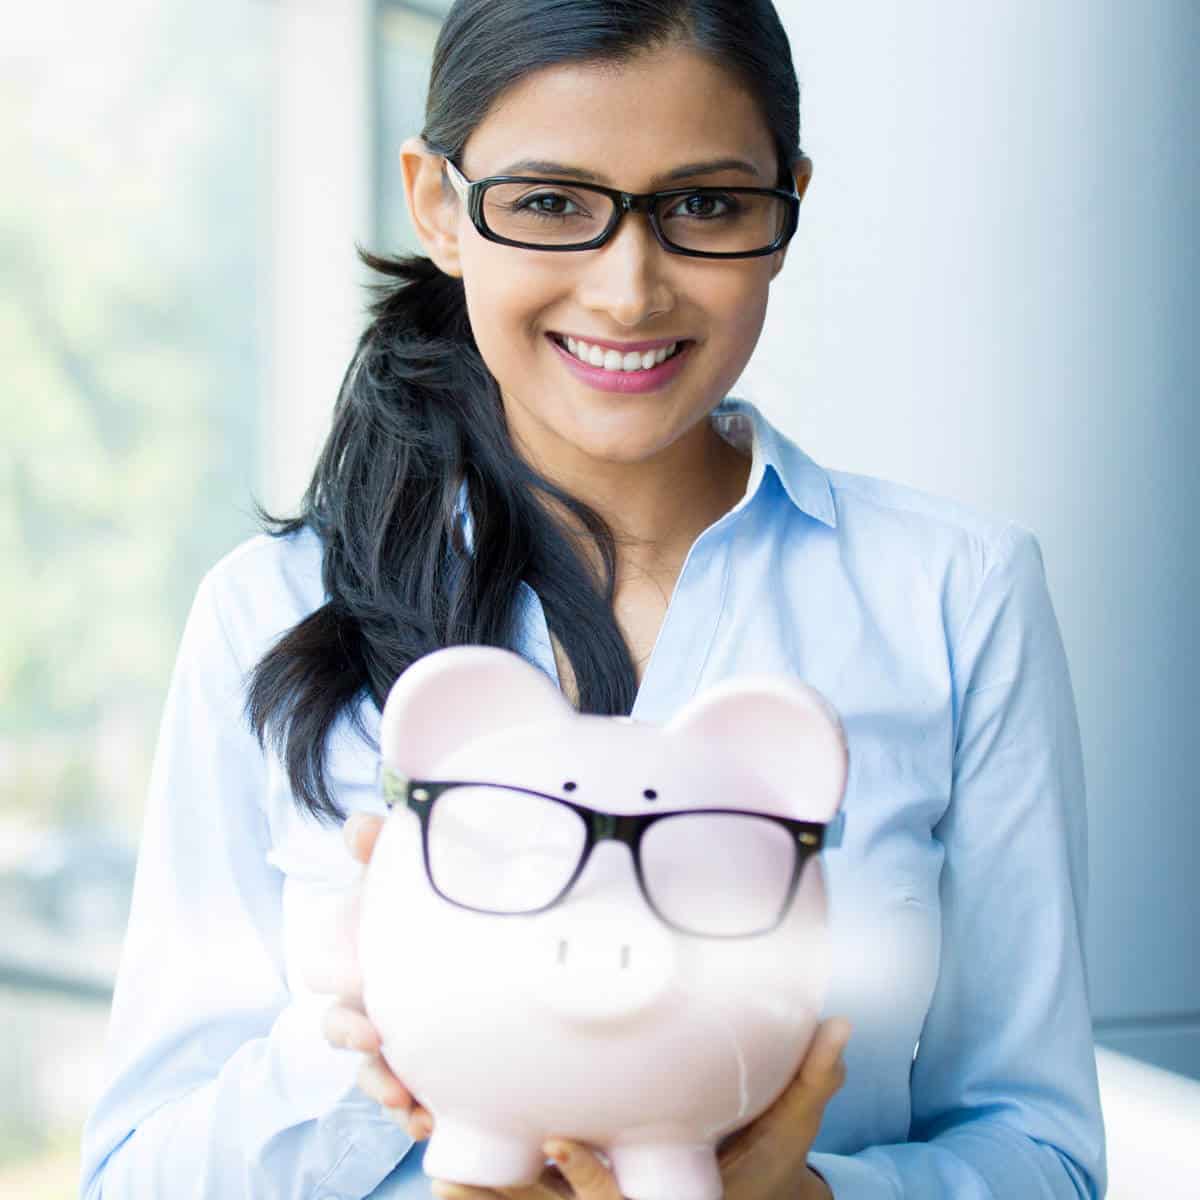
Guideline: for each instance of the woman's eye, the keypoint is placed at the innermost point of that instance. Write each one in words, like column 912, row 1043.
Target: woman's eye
column 547, row 204
column 705, row 206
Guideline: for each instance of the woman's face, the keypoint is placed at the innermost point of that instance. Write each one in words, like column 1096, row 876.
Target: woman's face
column 629, row 127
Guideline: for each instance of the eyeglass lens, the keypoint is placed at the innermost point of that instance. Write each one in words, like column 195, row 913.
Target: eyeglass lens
column 708, row 219
column 714, row 874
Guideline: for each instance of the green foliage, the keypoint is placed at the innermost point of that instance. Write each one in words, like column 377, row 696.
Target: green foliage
column 135, row 138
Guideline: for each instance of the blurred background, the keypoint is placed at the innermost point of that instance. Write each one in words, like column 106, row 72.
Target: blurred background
column 993, row 296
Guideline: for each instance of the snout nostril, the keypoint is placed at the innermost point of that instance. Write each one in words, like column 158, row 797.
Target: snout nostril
column 624, row 957
column 562, row 951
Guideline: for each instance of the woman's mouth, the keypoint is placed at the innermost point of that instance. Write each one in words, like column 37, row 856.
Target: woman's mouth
column 631, row 373
column 613, row 360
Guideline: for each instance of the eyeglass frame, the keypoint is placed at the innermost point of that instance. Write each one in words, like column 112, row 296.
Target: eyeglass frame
column 420, row 795
column 471, row 192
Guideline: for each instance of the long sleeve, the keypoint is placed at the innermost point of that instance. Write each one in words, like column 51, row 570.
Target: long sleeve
column 1005, row 1101
column 218, row 1084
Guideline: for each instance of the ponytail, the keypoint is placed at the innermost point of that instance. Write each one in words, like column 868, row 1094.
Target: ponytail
column 417, row 415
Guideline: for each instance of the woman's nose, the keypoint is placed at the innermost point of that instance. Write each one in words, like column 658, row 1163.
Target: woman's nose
column 627, row 278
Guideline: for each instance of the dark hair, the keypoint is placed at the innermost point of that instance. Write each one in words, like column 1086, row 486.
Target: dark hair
column 418, row 414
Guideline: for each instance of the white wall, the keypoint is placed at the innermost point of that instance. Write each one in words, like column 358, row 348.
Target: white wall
column 993, row 296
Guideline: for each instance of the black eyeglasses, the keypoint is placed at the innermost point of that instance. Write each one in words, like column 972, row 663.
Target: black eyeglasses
column 557, row 214
column 511, row 851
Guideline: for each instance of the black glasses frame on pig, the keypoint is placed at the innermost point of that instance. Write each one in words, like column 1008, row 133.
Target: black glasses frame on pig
column 785, row 204
column 420, row 796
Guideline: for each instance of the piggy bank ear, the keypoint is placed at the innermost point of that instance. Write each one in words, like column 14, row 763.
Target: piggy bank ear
column 453, row 696
column 781, row 731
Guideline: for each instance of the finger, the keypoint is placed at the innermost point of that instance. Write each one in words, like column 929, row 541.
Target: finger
column 587, row 1175
column 823, row 1072
column 350, row 1029
column 377, row 1080
column 417, row 1120
column 350, row 1003
column 361, row 832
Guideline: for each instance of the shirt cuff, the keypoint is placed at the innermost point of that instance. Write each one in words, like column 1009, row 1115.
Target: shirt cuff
column 850, row 1178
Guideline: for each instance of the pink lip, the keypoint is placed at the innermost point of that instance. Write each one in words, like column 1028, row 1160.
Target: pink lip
column 627, row 382
column 623, row 347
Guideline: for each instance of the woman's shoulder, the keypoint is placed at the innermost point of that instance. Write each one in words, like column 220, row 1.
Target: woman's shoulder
column 864, row 496
column 874, row 510
column 263, row 587
column 940, row 545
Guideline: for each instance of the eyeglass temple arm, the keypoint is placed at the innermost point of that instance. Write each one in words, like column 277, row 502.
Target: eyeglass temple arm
column 833, row 832
column 391, row 784
column 458, row 181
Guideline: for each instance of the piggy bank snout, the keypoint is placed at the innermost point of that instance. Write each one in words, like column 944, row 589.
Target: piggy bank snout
column 601, row 954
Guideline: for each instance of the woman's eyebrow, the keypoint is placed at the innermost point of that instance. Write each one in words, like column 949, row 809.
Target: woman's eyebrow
column 537, row 166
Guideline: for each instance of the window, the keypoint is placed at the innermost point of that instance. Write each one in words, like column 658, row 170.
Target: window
column 406, row 34
column 136, row 137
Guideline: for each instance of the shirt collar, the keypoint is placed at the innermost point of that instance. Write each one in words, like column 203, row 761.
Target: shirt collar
column 805, row 481
column 742, row 425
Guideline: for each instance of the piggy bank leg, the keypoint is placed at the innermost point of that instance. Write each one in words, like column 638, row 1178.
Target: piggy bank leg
column 464, row 1153
column 667, row 1172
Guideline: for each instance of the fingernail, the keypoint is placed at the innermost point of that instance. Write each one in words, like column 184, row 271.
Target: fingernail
column 557, row 1152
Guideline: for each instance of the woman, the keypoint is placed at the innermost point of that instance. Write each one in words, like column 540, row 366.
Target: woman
column 534, row 447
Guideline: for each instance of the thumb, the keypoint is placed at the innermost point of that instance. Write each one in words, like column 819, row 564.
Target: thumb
column 791, row 1122
column 823, row 1071
column 360, row 833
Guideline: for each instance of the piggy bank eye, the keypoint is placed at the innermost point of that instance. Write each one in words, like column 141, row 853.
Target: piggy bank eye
column 650, row 794
column 569, row 787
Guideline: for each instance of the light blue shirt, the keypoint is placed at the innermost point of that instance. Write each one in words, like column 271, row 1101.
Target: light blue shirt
column 957, row 895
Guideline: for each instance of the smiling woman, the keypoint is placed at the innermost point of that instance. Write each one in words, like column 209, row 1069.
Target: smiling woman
column 534, row 447
column 566, row 421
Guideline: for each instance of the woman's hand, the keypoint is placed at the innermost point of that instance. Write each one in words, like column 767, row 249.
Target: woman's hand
column 346, row 1023
column 766, row 1160
column 580, row 1175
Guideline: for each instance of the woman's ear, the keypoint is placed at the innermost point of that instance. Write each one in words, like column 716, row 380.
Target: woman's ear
column 433, row 204
column 802, row 170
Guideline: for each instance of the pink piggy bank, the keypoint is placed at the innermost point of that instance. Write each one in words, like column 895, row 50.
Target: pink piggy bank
column 645, row 1003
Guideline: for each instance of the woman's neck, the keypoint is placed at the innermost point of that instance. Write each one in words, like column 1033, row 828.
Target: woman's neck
column 657, row 509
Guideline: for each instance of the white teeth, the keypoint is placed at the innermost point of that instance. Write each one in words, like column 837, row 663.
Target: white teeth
column 614, row 360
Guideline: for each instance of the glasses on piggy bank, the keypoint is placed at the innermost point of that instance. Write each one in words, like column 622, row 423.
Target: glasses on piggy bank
column 510, row 851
